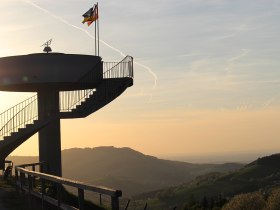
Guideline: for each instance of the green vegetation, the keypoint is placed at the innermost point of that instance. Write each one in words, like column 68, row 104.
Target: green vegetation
column 213, row 190
column 269, row 200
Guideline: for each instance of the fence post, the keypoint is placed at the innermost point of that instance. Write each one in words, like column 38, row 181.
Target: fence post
column 33, row 180
column 115, row 200
column 115, row 203
column 127, row 204
column 58, row 187
column 29, row 189
column 29, row 183
column 100, row 199
column 17, row 181
column 42, row 191
column 132, row 67
column 22, row 177
column 81, row 199
column 146, row 205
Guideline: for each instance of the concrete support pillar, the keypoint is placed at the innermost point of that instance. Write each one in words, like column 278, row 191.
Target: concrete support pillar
column 49, row 136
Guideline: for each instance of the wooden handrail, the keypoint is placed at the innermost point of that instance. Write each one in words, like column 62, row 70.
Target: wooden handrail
column 72, row 183
column 22, row 174
column 31, row 164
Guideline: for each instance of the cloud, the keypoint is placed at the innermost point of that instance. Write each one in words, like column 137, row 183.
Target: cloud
column 232, row 61
column 188, row 55
column 268, row 103
column 227, row 36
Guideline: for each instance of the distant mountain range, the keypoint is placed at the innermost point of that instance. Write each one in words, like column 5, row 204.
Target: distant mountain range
column 262, row 175
column 126, row 169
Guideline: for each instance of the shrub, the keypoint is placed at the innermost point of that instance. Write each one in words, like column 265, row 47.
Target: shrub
column 273, row 201
column 248, row 201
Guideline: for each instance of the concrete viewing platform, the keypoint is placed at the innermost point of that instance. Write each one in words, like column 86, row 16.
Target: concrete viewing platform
column 31, row 72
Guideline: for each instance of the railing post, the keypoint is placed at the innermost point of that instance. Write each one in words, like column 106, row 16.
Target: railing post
column 13, row 120
column 58, row 187
column 29, row 183
column 132, row 67
column 100, row 199
column 123, row 68
column 115, row 203
column 17, row 181
column 29, row 189
column 81, row 199
column 146, row 206
column 127, row 204
column 42, row 192
column 16, row 174
column 22, row 177
column 33, row 179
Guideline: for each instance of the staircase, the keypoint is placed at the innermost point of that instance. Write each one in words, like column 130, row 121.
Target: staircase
column 20, row 122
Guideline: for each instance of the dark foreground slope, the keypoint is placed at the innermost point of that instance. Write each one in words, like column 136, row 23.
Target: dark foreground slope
column 129, row 170
column 262, row 174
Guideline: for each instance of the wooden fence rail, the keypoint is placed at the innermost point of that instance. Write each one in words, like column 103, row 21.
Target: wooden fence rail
column 25, row 180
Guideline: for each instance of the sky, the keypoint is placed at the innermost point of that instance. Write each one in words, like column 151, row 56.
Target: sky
column 207, row 75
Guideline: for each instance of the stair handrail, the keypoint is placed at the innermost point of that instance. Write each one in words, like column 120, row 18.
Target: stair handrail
column 16, row 117
column 121, row 69
column 75, row 101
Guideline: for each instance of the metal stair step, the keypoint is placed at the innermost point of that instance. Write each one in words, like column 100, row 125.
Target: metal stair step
column 20, row 130
column 6, row 138
column 29, row 125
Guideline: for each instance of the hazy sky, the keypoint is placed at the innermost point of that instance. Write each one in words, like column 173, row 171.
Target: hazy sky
column 208, row 78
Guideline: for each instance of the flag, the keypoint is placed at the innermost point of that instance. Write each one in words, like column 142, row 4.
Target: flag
column 91, row 15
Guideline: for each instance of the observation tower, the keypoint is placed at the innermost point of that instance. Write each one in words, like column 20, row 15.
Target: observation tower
column 67, row 86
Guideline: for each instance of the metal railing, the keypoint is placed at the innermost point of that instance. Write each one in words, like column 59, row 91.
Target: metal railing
column 25, row 180
column 69, row 100
column 120, row 69
column 19, row 116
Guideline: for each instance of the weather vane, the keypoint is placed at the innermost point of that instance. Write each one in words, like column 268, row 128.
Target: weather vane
column 47, row 48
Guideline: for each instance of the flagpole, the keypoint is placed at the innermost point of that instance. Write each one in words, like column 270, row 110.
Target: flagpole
column 92, row 16
column 95, row 32
column 97, row 27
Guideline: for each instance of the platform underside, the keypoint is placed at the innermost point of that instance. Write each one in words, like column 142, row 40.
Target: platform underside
column 30, row 73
